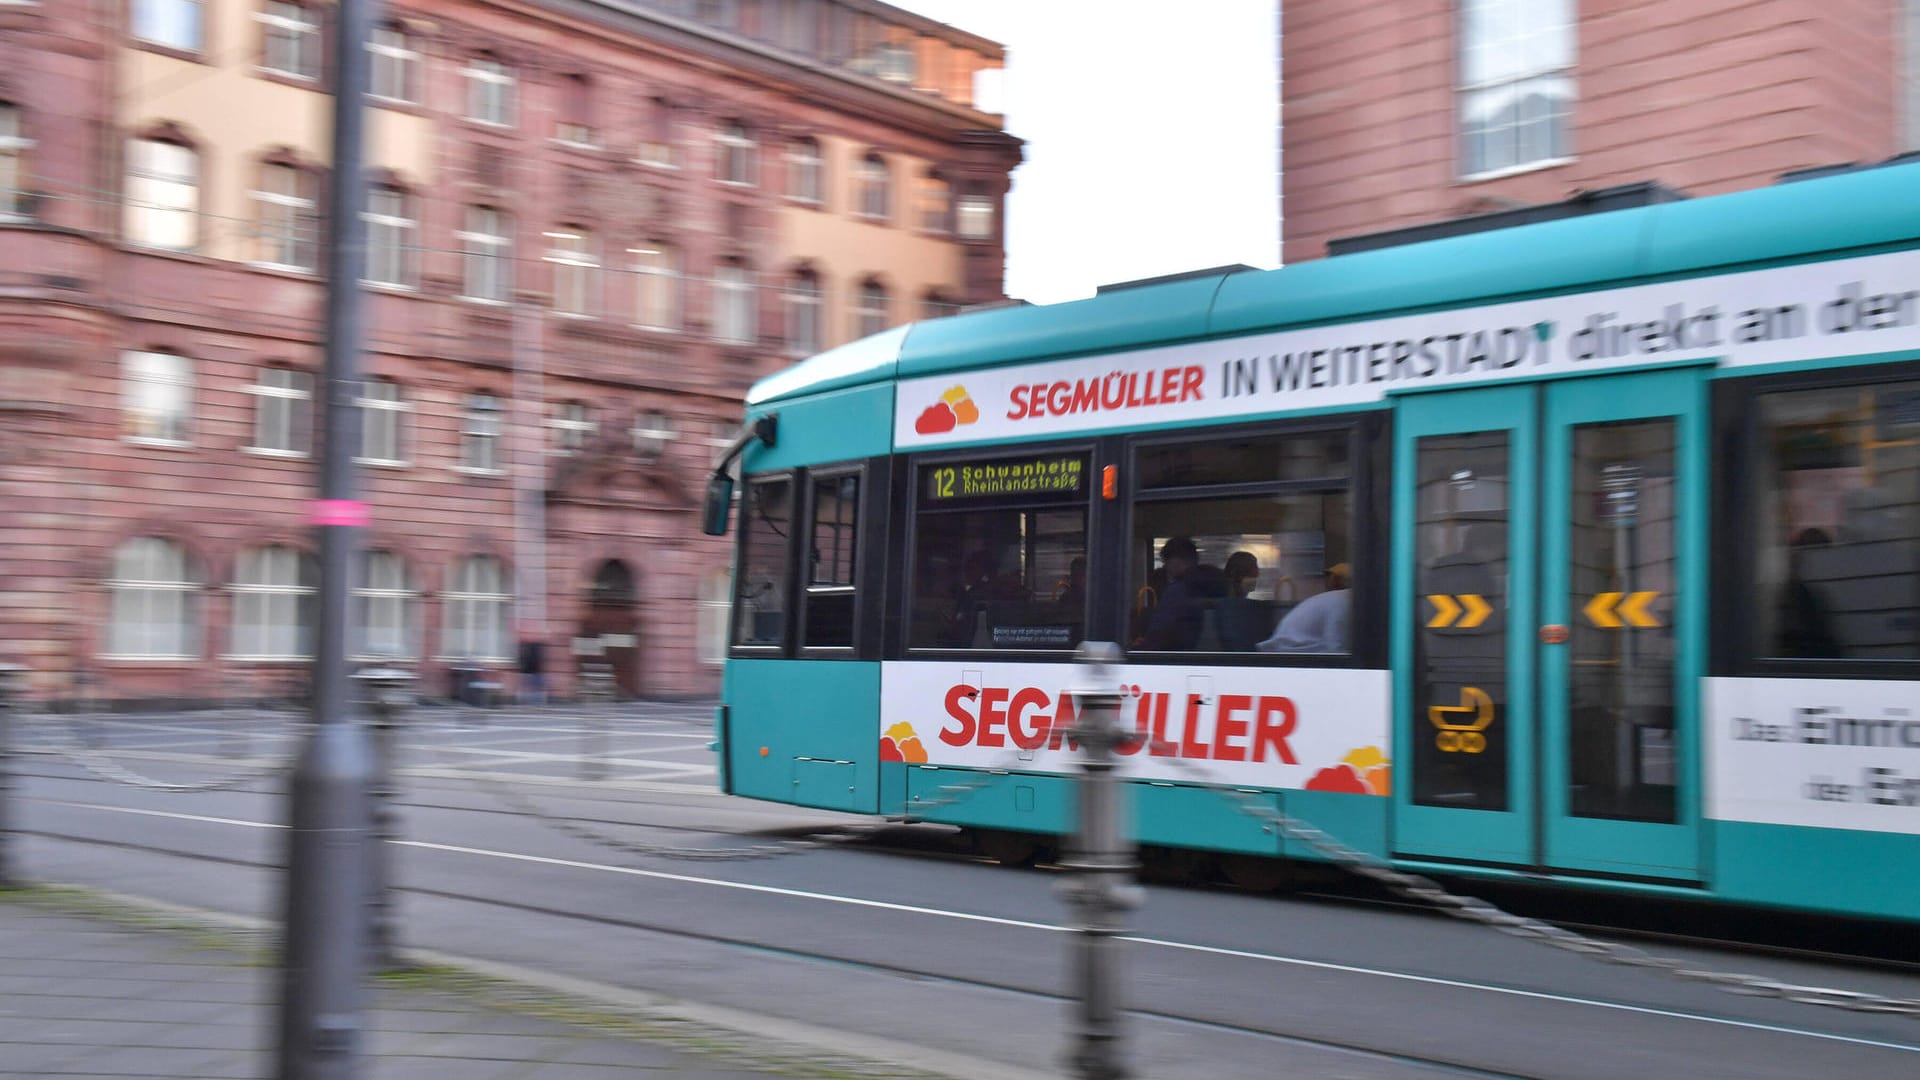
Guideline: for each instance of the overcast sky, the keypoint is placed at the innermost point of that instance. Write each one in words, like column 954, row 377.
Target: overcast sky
column 1151, row 130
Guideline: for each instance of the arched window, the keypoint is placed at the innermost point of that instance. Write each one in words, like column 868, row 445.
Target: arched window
column 163, row 194
column 733, row 320
column 734, row 147
column 282, row 412
column 289, row 39
column 477, row 604
column 803, row 313
column 576, row 270
column 273, row 604
column 287, row 218
column 870, row 308
column 875, row 198
column 480, row 435
column 805, row 171
column 490, row 87
column 156, row 610
column 657, row 280
column 488, row 245
column 386, row 606
column 392, row 247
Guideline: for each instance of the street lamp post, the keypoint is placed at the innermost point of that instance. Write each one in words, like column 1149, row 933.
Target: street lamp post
column 12, row 688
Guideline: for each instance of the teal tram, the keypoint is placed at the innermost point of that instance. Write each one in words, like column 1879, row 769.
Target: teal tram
column 1584, row 551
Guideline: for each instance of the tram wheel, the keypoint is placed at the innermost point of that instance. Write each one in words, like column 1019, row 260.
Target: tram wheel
column 1009, row 848
column 1173, row 866
column 1256, row 873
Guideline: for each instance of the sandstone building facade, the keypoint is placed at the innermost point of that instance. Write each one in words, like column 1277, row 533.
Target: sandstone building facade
column 592, row 225
column 1411, row 111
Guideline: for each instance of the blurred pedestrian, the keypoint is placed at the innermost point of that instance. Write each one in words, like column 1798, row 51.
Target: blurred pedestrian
column 533, row 672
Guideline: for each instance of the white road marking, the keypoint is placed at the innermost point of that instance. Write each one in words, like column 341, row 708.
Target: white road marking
column 1021, row 924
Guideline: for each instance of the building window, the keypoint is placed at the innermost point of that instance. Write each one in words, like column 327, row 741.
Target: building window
column 13, row 162
column 155, row 601
column 576, row 111
column 875, row 197
column 576, row 270
column 656, row 145
column 282, row 407
column 396, row 65
column 477, row 604
column 382, row 416
column 936, row 205
column 163, row 195
column 390, row 238
column 489, row 91
column 480, row 435
column 657, row 277
column 735, row 150
column 805, row 170
column 870, row 309
column 289, row 39
column 733, row 320
column 973, row 217
column 803, row 313
column 177, row 24
column 488, row 255
column 386, row 606
column 1516, row 83
column 156, row 397
column 273, row 605
column 573, row 424
column 287, row 221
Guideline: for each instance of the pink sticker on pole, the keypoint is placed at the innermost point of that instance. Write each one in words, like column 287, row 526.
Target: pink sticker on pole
column 347, row 512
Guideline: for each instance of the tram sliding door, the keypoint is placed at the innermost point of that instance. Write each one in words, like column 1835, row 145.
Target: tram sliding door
column 1549, row 546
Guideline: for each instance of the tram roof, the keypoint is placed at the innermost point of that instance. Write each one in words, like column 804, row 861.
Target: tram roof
column 1848, row 213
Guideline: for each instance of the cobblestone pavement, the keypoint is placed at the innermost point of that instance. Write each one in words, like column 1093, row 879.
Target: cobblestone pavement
column 96, row 988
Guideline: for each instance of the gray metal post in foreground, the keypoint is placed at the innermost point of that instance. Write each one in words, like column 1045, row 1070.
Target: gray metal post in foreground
column 388, row 691
column 323, row 971
column 1102, row 866
column 12, row 689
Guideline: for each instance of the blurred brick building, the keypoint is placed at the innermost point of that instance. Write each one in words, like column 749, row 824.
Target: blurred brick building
column 1411, row 111
column 594, row 223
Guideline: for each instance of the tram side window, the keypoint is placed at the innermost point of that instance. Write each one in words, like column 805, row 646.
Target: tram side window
column 830, row 562
column 1837, row 527
column 760, row 606
column 999, row 554
column 1243, row 544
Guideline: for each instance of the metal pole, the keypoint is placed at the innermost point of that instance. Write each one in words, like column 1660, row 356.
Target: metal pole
column 1102, row 865
column 12, row 678
column 324, row 966
column 388, row 690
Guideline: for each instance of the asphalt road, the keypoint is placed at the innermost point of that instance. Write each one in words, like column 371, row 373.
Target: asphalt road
column 594, row 847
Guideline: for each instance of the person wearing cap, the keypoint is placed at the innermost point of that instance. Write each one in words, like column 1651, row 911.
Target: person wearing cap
column 1317, row 624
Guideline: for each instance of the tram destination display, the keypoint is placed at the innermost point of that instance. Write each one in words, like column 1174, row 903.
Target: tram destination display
column 1060, row 475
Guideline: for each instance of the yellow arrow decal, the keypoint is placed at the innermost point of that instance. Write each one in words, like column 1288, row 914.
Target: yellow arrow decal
column 1600, row 610
column 1477, row 611
column 1445, row 611
column 1634, row 609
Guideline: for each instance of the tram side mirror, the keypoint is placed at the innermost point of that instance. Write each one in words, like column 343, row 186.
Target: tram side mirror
column 713, row 520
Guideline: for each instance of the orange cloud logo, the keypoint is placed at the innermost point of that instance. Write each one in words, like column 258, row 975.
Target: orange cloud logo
column 1366, row 771
column 902, row 743
column 954, row 408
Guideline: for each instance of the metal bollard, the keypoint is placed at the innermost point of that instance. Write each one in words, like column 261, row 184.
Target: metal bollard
column 387, row 691
column 1102, row 867
column 596, row 688
column 12, row 689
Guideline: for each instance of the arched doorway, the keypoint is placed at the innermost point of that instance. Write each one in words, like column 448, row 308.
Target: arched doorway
column 613, row 619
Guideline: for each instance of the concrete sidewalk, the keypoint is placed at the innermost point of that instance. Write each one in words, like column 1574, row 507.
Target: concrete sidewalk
column 94, row 986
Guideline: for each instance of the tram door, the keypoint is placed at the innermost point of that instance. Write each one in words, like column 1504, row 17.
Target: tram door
column 1549, row 550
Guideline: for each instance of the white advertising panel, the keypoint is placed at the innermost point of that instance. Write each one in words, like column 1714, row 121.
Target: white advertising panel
column 1832, row 753
column 1839, row 308
column 1318, row 729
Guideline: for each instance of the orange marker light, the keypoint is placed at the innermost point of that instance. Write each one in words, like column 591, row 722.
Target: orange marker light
column 1110, row 482
column 763, row 751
